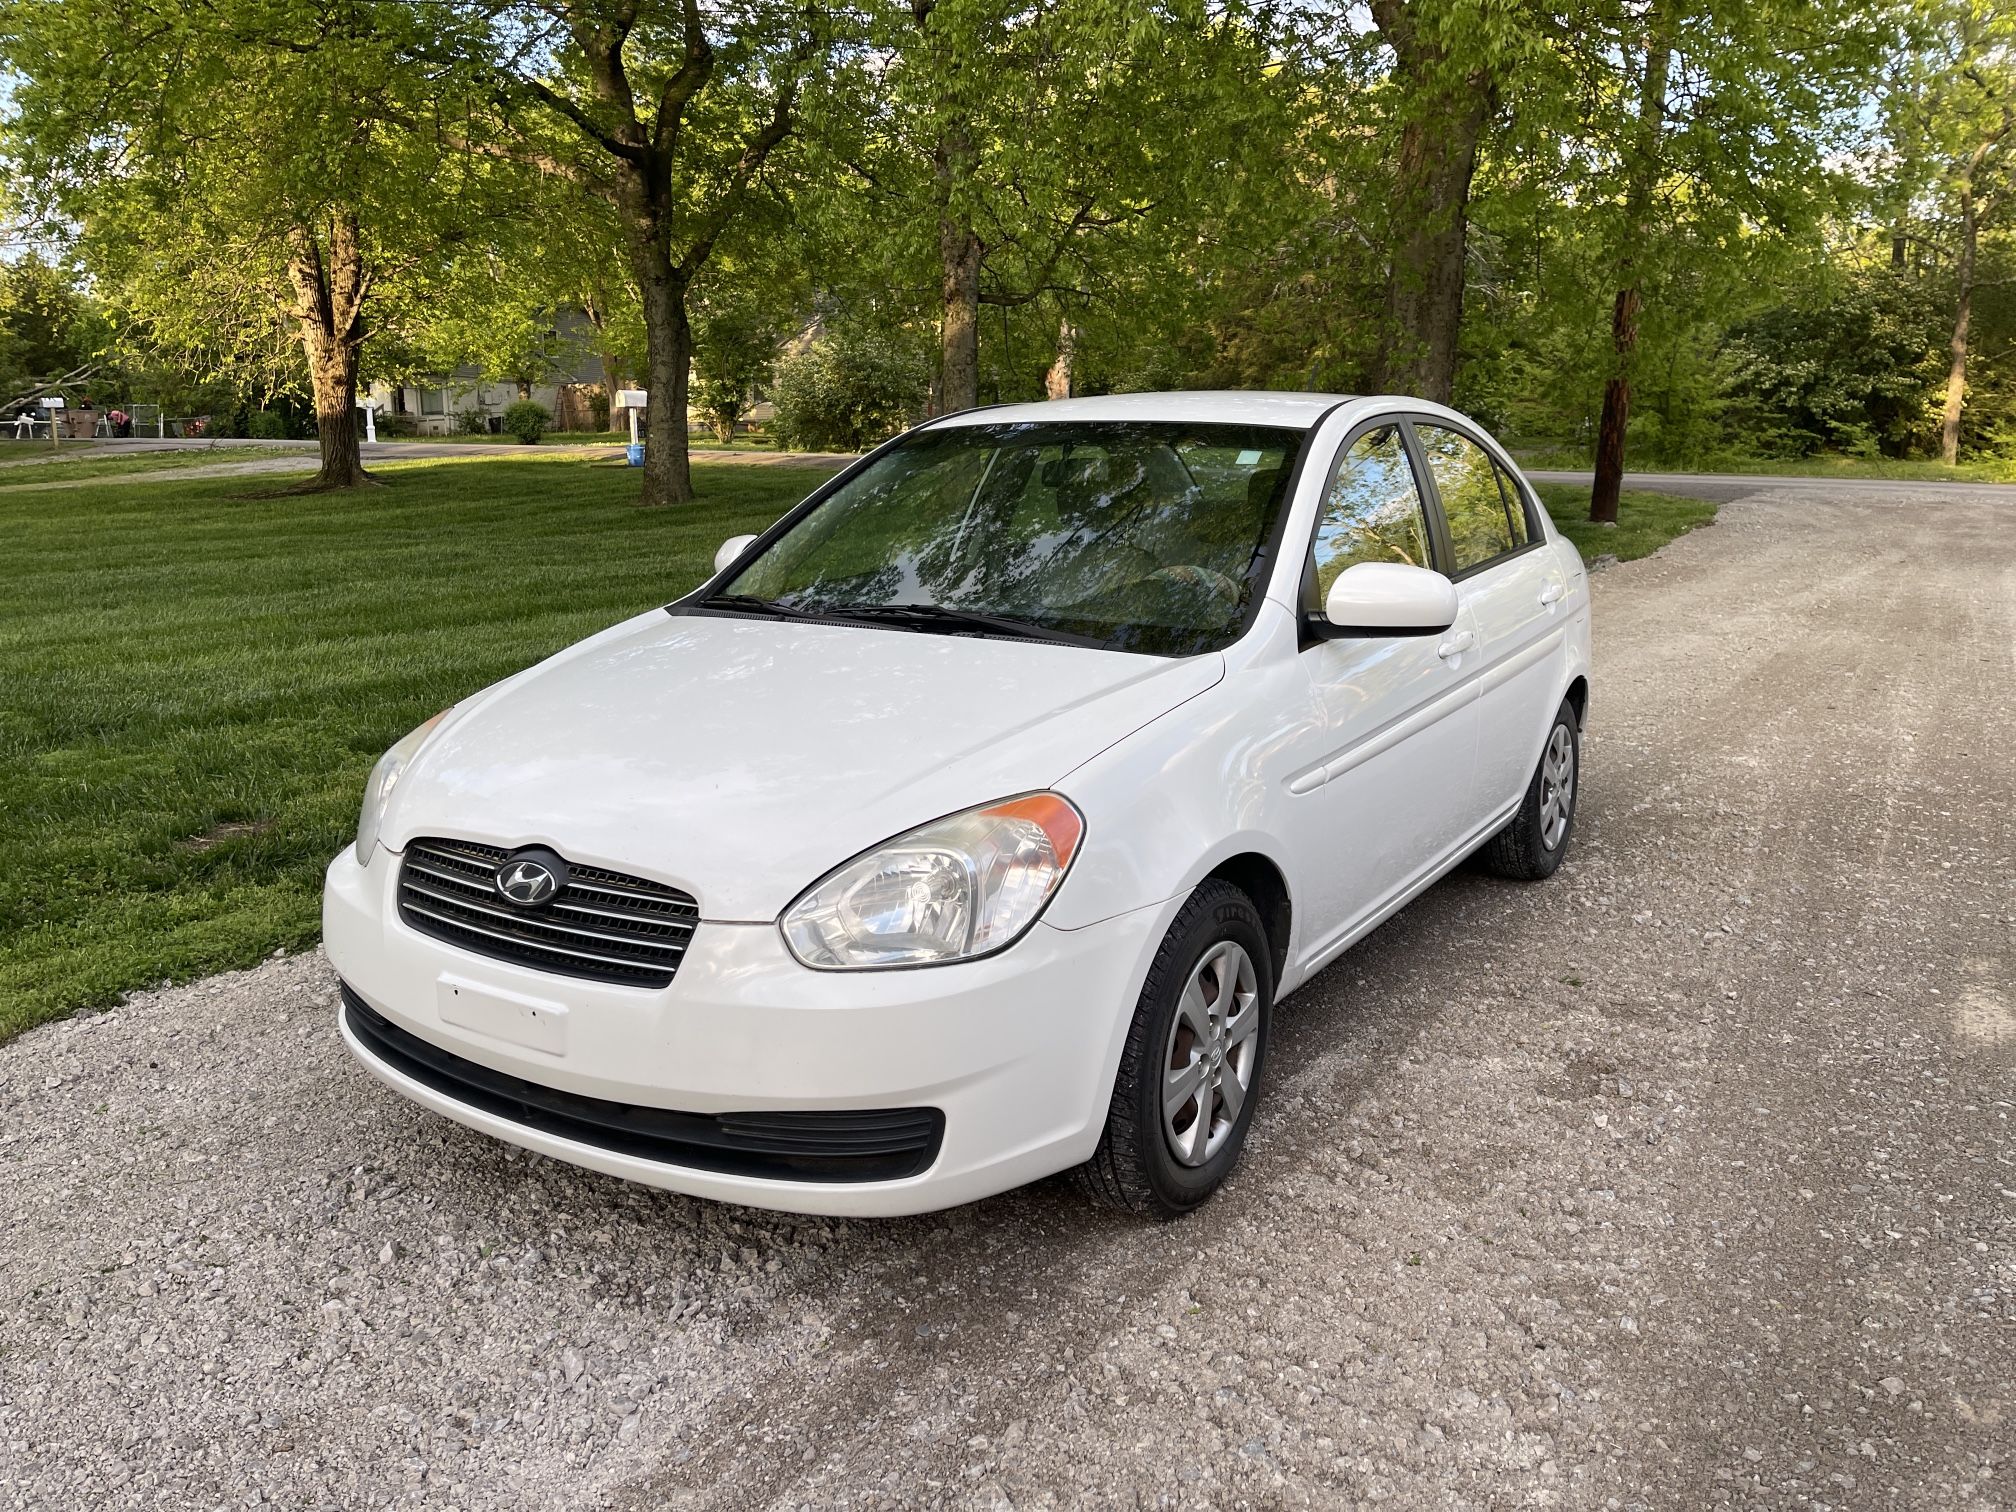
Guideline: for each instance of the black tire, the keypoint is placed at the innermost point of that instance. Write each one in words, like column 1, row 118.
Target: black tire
column 1134, row 1169
column 1521, row 850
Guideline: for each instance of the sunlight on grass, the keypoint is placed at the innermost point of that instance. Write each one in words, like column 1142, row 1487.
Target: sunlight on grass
column 199, row 678
column 1645, row 521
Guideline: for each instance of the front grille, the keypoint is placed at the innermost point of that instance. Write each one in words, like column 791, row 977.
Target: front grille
column 848, row 1144
column 602, row 925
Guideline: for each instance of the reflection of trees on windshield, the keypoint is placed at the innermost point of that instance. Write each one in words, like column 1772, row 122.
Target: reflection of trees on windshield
column 1139, row 534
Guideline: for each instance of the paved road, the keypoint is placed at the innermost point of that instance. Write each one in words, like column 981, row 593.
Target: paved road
column 1686, row 1178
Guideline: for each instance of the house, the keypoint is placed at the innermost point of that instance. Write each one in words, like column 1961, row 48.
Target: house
column 437, row 403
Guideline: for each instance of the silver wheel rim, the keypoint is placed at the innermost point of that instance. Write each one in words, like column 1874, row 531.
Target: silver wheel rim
column 1557, row 786
column 1214, row 1045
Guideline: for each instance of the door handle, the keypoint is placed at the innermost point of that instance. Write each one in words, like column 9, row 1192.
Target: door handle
column 1553, row 593
column 1457, row 644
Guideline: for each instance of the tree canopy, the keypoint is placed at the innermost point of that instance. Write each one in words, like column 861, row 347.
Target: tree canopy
column 1669, row 228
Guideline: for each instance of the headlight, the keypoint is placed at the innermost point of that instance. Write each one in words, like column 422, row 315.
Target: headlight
column 384, row 777
column 957, row 888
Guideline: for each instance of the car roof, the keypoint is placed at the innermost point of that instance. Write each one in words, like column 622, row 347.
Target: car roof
column 1225, row 406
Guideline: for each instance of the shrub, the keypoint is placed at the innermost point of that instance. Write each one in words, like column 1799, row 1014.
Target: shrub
column 475, row 423
column 848, row 392
column 266, row 425
column 390, row 424
column 598, row 410
column 527, row 420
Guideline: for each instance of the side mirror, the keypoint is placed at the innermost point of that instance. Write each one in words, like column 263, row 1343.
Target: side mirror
column 732, row 548
column 1390, row 598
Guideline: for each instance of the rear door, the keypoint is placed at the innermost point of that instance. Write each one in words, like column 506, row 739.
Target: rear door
column 1513, row 588
column 1385, row 787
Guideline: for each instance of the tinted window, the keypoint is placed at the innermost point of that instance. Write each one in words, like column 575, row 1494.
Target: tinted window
column 1467, row 479
column 1515, row 509
column 1146, row 537
column 1372, row 512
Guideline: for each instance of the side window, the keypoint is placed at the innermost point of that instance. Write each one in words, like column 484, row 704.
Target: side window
column 1515, row 509
column 1372, row 513
column 1467, row 479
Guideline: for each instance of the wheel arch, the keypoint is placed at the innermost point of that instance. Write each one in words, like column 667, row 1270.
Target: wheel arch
column 1578, row 698
column 1261, row 878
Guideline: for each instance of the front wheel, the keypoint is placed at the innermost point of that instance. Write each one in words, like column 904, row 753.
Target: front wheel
column 1531, row 846
column 1190, row 1072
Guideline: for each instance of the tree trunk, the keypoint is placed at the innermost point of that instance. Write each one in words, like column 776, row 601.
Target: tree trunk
column 668, row 472
column 329, row 290
column 959, row 250
column 1057, row 382
column 1956, row 374
column 1609, row 481
column 1616, row 412
column 1423, row 307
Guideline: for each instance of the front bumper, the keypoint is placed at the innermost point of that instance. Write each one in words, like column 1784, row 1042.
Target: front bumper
column 1017, row 1051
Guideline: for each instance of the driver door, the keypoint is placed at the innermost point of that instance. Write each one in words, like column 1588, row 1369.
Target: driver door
column 1391, row 794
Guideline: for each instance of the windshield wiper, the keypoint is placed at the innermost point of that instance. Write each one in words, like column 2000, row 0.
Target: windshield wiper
column 942, row 617
column 748, row 603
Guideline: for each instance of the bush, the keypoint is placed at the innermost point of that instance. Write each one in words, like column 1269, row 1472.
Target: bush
column 598, row 410
column 475, row 423
column 848, row 392
column 266, row 425
column 390, row 424
column 527, row 420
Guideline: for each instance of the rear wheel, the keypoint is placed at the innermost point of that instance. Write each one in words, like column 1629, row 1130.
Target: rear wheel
column 1190, row 1072
column 1531, row 846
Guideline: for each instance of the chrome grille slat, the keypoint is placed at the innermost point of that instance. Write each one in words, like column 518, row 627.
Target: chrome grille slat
column 665, row 921
column 521, row 920
column 636, row 932
column 496, row 934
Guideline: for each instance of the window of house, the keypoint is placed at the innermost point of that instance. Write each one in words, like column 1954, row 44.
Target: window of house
column 433, row 401
column 1372, row 512
column 1480, row 526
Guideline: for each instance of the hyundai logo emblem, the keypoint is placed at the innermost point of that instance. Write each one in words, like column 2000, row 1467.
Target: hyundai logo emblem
column 531, row 879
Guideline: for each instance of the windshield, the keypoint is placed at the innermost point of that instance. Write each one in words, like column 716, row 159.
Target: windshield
column 1138, row 537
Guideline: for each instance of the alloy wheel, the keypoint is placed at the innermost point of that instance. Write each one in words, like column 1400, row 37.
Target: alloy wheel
column 1557, row 787
column 1211, row 1055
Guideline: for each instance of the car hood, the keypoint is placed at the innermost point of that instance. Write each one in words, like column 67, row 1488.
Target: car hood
column 741, row 759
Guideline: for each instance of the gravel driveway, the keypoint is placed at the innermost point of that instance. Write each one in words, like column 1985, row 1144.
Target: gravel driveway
column 1685, row 1178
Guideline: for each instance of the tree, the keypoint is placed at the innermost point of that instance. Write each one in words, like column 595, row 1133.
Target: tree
column 1036, row 161
column 1449, row 57
column 225, row 175
column 669, row 114
column 1953, row 114
column 1709, row 127
column 736, row 344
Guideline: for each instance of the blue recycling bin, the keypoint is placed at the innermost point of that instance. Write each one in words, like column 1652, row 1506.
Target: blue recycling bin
column 635, row 452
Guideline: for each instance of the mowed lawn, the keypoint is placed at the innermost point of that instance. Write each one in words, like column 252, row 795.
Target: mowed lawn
column 194, row 682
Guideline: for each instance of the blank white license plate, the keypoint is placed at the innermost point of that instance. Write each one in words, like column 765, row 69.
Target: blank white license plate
column 535, row 1023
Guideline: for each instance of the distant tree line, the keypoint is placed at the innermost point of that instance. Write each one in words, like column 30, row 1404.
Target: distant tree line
column 1668, row 230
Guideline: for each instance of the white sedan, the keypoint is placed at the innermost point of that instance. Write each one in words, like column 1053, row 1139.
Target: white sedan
column 967, row 825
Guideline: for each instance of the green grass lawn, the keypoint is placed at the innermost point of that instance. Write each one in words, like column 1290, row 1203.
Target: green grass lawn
column 197, row 681
column 1645, row 521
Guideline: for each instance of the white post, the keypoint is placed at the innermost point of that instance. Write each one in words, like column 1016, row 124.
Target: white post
column 370, row 420
column 161, row 423
column 633, row 426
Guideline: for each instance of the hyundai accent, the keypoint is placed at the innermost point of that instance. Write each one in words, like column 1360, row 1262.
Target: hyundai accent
column 967, row 825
